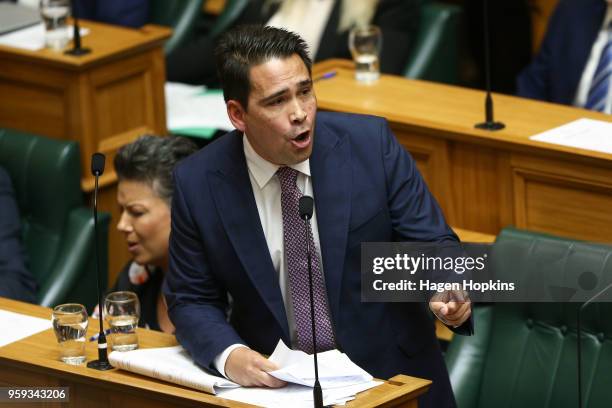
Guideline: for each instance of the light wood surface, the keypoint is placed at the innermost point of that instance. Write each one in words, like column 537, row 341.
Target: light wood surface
column 484, row 180
column 103, row 100
column 33, row 361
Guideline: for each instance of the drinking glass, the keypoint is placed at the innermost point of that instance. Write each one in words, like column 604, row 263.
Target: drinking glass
column 70, row 327
column 365, row 43
column 55, row 14
column 122, row 311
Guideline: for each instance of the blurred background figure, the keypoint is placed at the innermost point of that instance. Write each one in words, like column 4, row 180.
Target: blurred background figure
column 324, row 24
column 144, row 194
column 574, row 64
column 129, row 13
column 16, row 282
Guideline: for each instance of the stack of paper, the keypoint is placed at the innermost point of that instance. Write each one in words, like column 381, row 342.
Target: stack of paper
column 17, row 326
column 583, row 133
column 172, row 364
column 340, row 379
column 194, row 110
column 32, row 38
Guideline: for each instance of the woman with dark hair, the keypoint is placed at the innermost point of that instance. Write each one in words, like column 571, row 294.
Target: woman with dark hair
column 144, row 194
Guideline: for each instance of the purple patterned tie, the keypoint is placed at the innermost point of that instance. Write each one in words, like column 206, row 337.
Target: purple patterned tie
column 294, row 232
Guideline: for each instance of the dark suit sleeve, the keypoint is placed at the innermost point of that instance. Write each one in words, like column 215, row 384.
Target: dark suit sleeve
column 534, row 81
column 16, row 282
column 196, row 302
column 415, row 213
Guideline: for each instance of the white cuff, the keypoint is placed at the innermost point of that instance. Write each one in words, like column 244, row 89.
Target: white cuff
column 220, row 360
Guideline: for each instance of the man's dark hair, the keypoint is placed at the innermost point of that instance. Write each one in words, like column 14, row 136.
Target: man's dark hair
column 243, row 47
column 151, row 159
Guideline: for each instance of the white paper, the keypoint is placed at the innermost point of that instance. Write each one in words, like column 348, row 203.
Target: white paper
column 335, row 368
column 189, row 106
column 294, row 396
column 172, row 364
column 32, row 38
column 583, row 133
column 16, row 326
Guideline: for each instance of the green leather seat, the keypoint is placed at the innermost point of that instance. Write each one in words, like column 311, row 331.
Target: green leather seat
column 435, row 56
column 180, row 15
column 57, row 228
column 524, row 354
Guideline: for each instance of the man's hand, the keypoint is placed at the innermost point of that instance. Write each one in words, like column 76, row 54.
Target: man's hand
column 452, row 307
column 249, row 369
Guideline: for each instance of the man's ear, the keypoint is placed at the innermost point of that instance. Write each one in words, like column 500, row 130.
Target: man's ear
column 236, row 114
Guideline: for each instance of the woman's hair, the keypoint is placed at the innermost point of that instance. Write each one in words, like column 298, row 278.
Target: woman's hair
column 151, row 159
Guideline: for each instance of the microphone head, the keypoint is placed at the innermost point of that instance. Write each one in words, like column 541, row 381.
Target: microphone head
column 306, row 207
column 97, row 164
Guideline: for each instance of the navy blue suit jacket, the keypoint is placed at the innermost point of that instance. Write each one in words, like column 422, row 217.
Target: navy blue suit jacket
column 366, row 188
column 554, row 74
column 16, row 282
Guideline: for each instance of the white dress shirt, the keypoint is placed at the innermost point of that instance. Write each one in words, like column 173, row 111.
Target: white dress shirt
column 267, row 192
column 308, row 18
column 591, row 66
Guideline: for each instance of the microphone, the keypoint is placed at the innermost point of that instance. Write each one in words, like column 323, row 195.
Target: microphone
column 306, row 205
column 77, row 50
column 102, row 364
column 579, row 339
column 489, row 123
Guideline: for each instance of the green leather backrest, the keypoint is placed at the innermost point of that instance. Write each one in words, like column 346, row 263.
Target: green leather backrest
column 435, row 56
column 524, row 355
column 180, row 15
column 58, row 230
column 46, row 177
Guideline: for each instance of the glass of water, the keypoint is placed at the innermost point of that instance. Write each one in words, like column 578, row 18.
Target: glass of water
column 70, row 327
column 365, row 43
column 54, row 14
column 122, row 311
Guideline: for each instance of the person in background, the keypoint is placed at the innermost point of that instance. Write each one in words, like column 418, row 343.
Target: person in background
column 324, row 24
column 16, row 282
column 128, row 13
column 144, row 193
column 574, row 64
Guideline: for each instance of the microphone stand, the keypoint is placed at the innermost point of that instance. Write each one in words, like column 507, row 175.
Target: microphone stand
column 102, row 364
column 77, row 50
column 306, row 207
column 489, row 123
column 579, row 339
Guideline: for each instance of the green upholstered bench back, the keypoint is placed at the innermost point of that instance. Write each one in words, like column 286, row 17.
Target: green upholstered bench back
column 524, row 354
column 57, row 228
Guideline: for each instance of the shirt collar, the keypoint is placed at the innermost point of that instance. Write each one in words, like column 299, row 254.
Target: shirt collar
column 262, row 170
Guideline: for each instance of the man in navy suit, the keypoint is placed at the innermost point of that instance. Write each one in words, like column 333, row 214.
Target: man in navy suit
column 16, row 282
column 231, row 229
column 558, row 69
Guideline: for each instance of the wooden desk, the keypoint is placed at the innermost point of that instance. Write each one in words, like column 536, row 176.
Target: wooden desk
column 103, row 100
column 483, row 180
column 33, row 361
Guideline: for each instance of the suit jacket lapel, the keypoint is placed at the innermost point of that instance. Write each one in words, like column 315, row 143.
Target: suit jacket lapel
column 233, row 195
column 331, row 181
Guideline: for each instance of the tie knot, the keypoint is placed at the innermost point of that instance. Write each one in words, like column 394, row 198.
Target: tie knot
column 287, row 177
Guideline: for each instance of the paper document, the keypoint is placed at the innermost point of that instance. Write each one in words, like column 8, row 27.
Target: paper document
column 17, row 326
column 294, row 396
column 189, row 108
column 32, row 38
column 172, row 364
column 583, row 133
column 335, row 368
